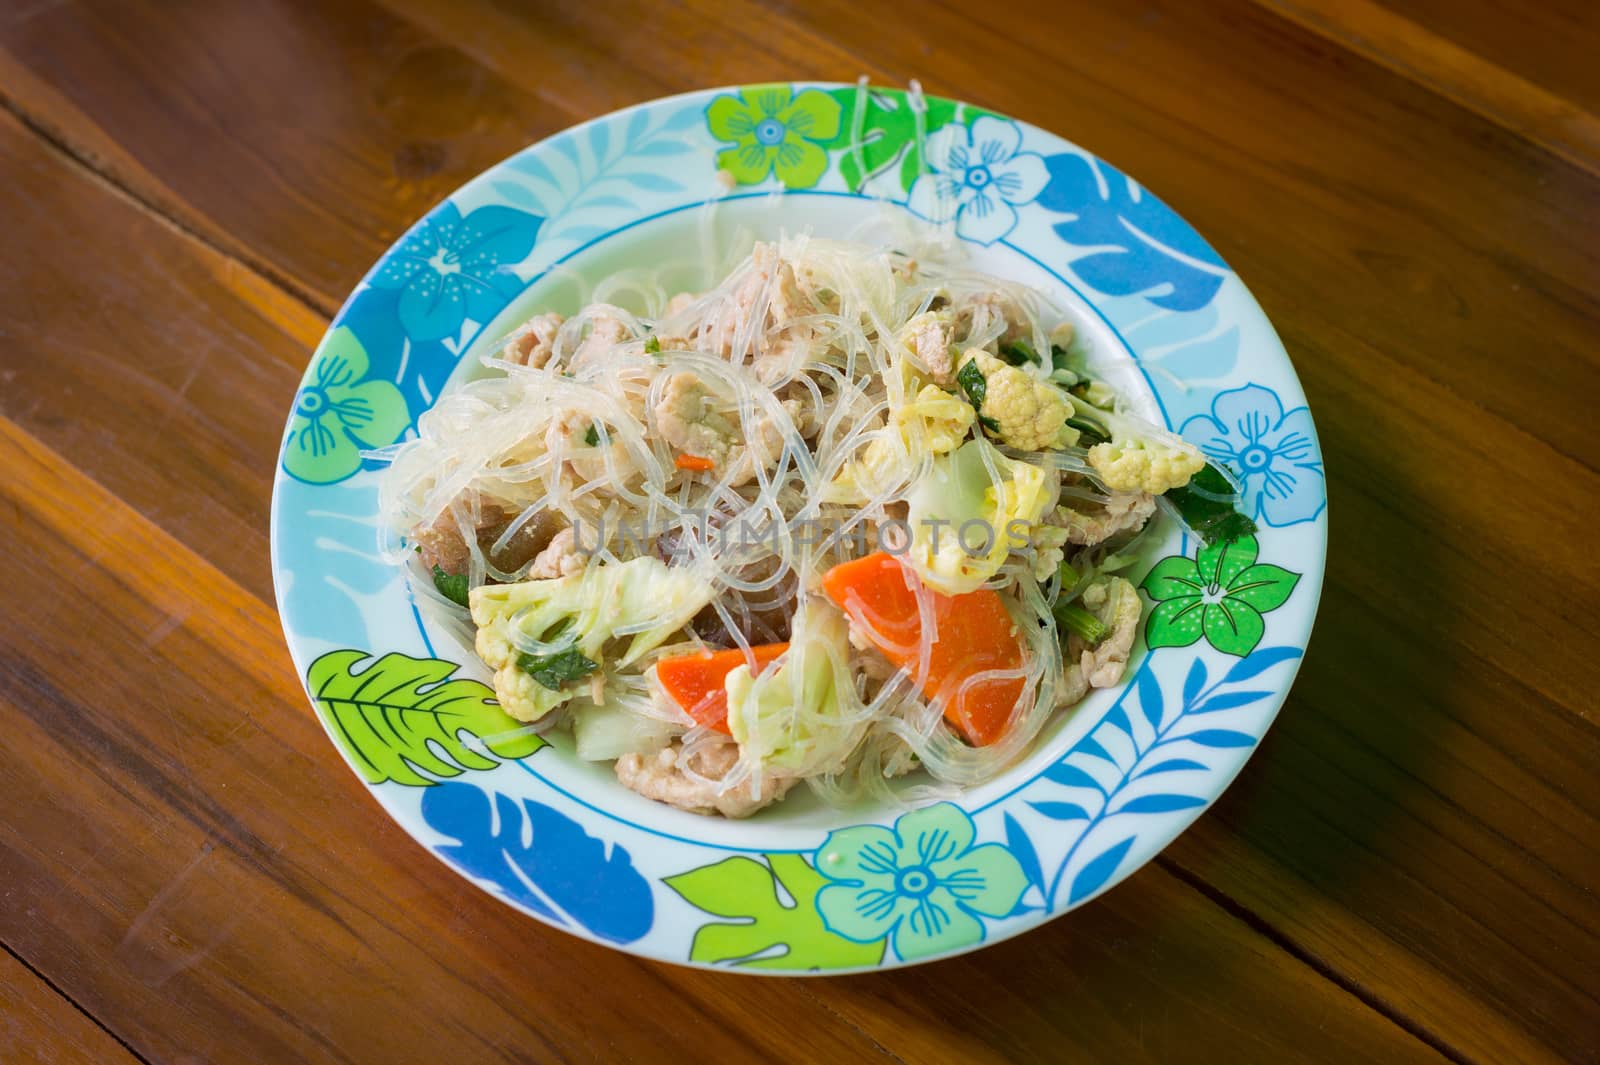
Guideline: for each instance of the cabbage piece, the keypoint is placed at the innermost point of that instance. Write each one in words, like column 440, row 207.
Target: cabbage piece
column 543, row 637
column 800, row 716
column 959, row 505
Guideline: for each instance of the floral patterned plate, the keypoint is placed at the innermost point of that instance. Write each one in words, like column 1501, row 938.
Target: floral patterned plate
column 803, row 888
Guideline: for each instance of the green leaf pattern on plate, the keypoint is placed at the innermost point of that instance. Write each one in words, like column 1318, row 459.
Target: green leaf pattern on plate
column 746, row 891
column 888, row 133
column 399, row 717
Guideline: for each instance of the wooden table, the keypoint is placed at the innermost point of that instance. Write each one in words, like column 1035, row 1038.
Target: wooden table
column 1406, row 871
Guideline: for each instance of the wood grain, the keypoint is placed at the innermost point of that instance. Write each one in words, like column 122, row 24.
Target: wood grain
column 1416, row 50
column 1408, row 867
column 39, row 1027
column 290, row 935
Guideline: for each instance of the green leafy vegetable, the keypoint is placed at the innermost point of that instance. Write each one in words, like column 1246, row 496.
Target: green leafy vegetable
column 398, row 717
column 652, row 345
column 746, row 891
column 1077, row 620
column 1213, row 520
column 1019, row 353
column 453, row 586
column 555, row 671
column 972, row 382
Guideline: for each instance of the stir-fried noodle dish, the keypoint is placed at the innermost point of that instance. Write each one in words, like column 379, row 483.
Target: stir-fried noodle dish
column 847, row 515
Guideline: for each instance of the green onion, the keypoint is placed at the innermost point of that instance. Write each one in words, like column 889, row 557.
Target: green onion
column 592, row 437
column 1068, row 577
column 1075, row 619
column 652, row 345
column 1088, row 429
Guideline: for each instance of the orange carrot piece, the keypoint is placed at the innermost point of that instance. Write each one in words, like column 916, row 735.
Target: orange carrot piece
column 695, row 681
column 972, row 633
column 694, row 462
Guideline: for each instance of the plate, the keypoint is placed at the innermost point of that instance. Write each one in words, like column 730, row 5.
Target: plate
column 802, row 888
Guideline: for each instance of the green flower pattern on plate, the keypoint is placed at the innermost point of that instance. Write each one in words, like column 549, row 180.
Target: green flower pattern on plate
column 922, row 884
column 1220, row 594
column 338, row 412
column 773, row 130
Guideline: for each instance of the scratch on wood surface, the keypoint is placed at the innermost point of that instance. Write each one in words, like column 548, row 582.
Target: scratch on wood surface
column 155, row 952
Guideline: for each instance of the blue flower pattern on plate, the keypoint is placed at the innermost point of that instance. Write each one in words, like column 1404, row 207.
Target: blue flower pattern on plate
column 449, row 268
column 923, row 883
column 1140, row 245
column 979, row 177
column 1272, row 452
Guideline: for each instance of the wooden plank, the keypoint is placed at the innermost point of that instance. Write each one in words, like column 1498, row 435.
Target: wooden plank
column 39, row 1027
column 197, row 923
column 1417, row 48
column 151, row 358
column 1552, row 43
column 319, row 150
column 187, row 855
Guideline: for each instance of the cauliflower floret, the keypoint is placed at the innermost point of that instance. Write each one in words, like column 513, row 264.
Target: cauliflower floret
column 1145, row 465
column 1122, row 512
column 574, row 616
column 929, row 337
column 533, row 342
column 1116, row 604
column 964, row 521
column 662, row 776
column 1026, row 412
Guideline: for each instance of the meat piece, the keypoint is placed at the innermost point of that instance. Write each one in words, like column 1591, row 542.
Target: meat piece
column 606, row 330
column 992, row 314
column 679, row 303
column 930, row 338
column 1088, row 524
column 764, row 303
column 441, row 543
column 661, row 777
column 762, row 451
column 1115, row 602
column 687, row 419
column 533, row 342
column 560, row 559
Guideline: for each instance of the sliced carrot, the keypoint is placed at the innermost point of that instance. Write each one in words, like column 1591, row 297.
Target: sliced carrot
column 695, row 681
column 972, row 633
column 694, row 462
